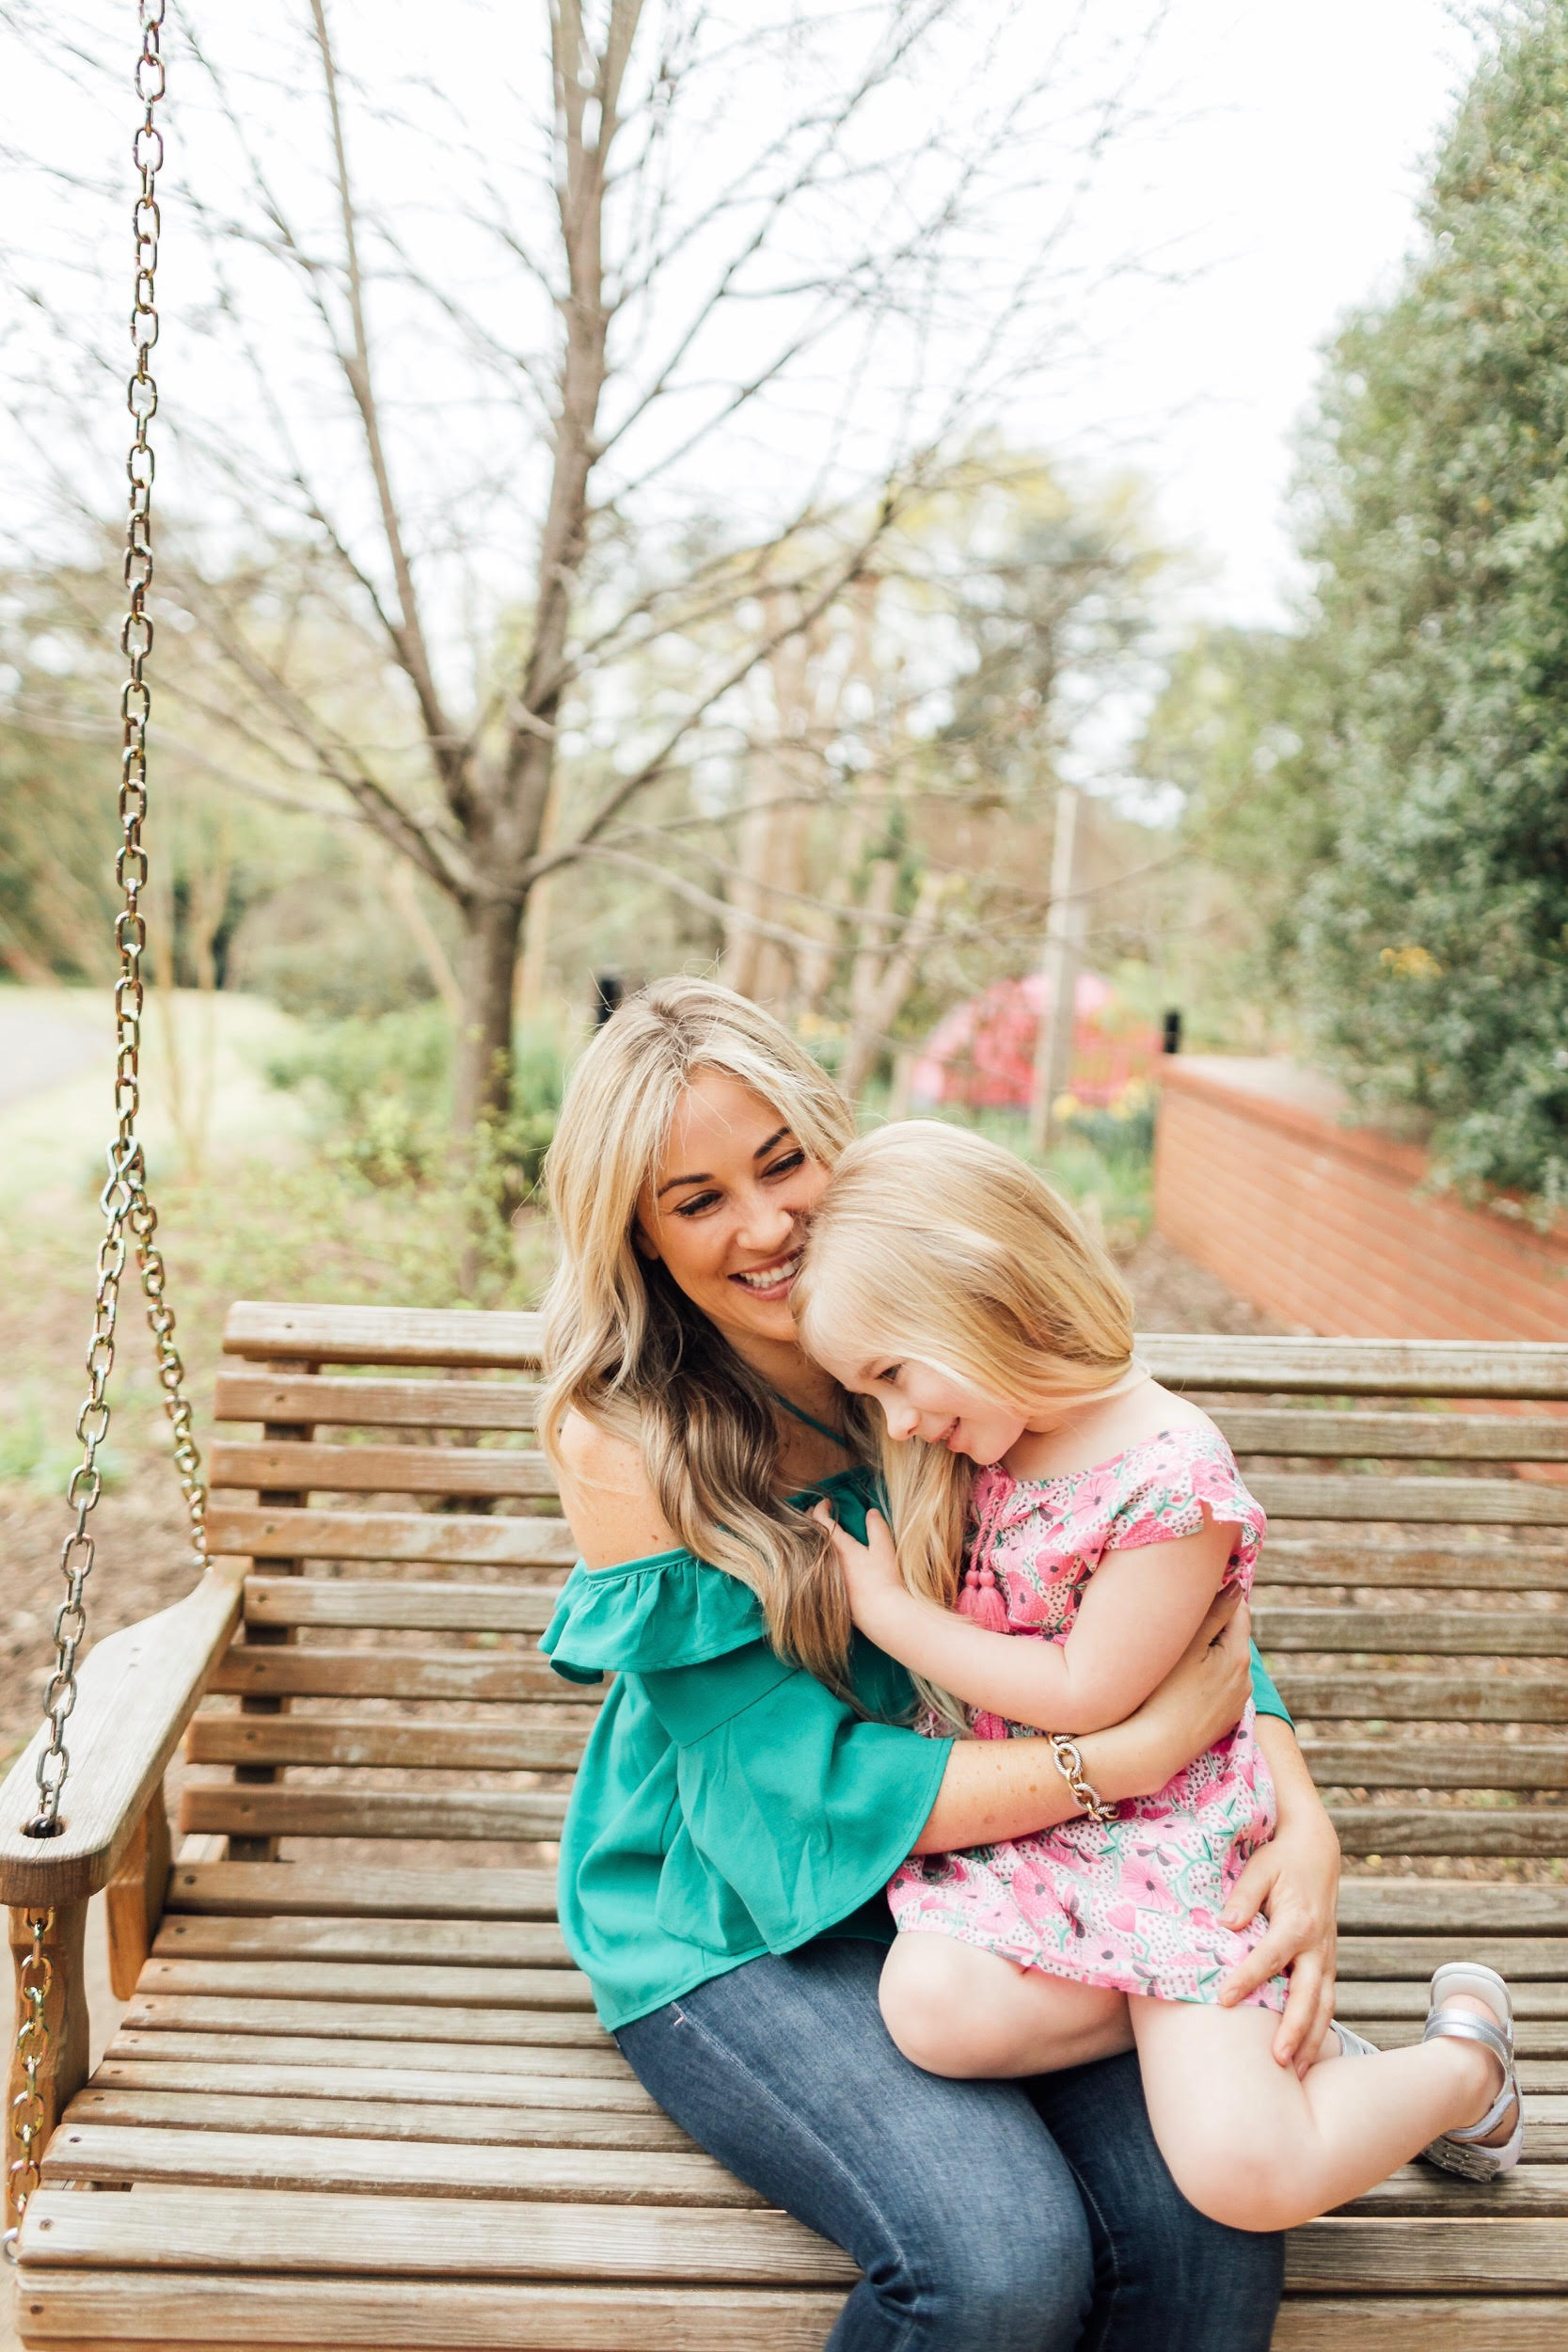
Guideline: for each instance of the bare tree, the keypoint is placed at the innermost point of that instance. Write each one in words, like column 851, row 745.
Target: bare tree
column 766, row 276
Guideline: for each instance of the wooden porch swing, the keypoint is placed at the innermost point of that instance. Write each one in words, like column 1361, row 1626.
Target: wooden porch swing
column 366, row 2102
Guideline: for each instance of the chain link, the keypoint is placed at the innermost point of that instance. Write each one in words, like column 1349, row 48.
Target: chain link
column 1069, row 1763
column 28, row 2115
column 129, row 1216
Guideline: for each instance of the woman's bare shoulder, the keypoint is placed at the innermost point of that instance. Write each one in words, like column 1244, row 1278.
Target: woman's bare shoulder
column 608, row 1496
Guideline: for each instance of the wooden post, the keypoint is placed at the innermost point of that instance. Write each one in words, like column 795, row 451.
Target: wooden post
column 64, row 2017
column 135, row 1897
column 1064, row 925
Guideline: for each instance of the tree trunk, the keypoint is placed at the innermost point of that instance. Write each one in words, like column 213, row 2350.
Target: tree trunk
column 492, row 935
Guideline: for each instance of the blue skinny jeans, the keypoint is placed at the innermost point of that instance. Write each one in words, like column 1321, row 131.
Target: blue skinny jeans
column 986, row 2217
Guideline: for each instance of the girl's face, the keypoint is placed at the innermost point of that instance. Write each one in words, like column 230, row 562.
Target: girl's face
column 919, row 1401
column 726, row 1208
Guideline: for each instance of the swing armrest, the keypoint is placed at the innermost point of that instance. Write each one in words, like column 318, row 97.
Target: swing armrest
column 135, row 1692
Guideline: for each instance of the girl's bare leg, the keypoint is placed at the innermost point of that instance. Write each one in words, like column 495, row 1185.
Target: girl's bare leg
column 1252, row 2144
column 956, row 2011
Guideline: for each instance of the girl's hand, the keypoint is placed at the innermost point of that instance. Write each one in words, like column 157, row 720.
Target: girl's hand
column 1295, row 1880
column 870, row 1569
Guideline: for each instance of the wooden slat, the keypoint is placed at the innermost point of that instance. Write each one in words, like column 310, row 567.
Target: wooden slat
column 1434, row 2257
column 1542, row 2043
column 372, row 2021
column 1425, row 2323
column 1449, row 1502
column 285, row 1812
column 482, row 1985
column 1523, row 1958
column 397, row 2237
column 389, row 1606
column 1524, row 1832
column 551, row 1740
column 307, row 2111
column 402, row 2089
column 471, row 1539
column 319, row 1399
column 135, row 1690
column 1483, row 1567
column 1373, row 1996
column 572, row 2046
column 1450, row 1906
column 1389, row 1696
column 370, row 1674
column 1417, row 2192
column 374, row 1469
column 1308, row 1432
column 319, row 1889
column 1417, row 1631
column 621, row 2179
column 1436, row 1367
column 488, row 1340
column 465, row 1943
column 102, row 2309
column 1438, row 1764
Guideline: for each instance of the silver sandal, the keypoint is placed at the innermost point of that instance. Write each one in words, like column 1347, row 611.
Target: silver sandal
column 1461, row 2152
column 1353, row 2044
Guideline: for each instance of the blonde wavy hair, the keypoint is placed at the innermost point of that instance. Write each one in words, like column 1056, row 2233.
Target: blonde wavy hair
column 932, row 1242
column 626, row 1347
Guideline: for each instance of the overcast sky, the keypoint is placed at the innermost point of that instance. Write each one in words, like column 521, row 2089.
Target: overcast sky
column 1296, row 174
column 1282, row 170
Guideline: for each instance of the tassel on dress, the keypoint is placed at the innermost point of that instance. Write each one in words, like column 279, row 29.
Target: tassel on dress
column 978, row 1599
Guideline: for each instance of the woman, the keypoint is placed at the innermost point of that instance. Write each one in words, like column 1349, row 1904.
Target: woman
column 753, row 1781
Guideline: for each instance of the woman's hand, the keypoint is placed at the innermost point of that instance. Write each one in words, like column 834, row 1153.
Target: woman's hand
column 1295, row 1880
column 871, row 1574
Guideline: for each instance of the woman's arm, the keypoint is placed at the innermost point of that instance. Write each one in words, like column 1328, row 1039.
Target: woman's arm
column 1295, row 1879
column 1139, row 1612
column 998, row 1789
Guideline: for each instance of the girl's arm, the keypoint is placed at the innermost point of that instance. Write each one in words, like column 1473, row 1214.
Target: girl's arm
column 999, row 1789
column 1140, row 1611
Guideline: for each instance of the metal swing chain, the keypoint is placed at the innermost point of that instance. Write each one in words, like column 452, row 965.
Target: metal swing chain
column 124, row 1201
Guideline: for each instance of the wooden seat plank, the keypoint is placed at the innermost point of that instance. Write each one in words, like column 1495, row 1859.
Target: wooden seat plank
column 487, row 1339
column 286, row 2232
column 1223, row 1363
column 369, row 2021
column 579, row 2054
column 1471, row 1566
column 318, row 1399
column 109, row 2152
column 1395, row 1696
column 286, row 1812
column 1436, row 2257
column 368, row 1981
column 244, row 2310
column 488, row 1942
column 1523, row 1957
column 424, row 1538
column 1427, row 2322
column 320, row 1889
column 314, row 1467
column 1444, row 1502
column 546, row 1739
column 292, row 2112
column 488, row 1676
column 333, row 2084
column 1313, row 1431
column 1436, row 1763
column 1516, row 1834
column 1370, row 1906
column 416, row 1608
column 1417, row 1631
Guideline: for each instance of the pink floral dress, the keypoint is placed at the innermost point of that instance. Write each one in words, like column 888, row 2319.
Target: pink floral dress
column 1131, row 1903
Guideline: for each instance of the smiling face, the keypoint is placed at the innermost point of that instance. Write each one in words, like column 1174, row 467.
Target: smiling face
column 919, row 1401
column 726, row 1208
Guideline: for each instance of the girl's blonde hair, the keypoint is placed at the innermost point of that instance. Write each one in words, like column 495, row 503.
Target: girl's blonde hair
column 933, row 1243
column 625, row 1346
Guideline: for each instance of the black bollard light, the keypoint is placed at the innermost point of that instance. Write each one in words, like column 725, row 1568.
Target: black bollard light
column 1170, row 1037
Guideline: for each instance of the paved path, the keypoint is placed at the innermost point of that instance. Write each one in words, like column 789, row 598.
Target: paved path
column 42, row 1044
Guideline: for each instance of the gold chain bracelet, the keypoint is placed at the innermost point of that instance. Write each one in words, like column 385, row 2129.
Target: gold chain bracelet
column 1069, row 1763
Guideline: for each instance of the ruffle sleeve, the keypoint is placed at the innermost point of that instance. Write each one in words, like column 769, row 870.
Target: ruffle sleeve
column 647, row 1616
column 1171, row 1482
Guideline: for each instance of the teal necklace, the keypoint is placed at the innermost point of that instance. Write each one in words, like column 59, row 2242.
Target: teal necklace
column 812, row 1422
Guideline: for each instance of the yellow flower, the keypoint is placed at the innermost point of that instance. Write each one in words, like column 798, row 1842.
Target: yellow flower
column 1411, row 963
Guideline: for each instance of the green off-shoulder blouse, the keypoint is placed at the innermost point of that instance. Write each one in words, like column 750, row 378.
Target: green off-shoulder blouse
column 729, row 1803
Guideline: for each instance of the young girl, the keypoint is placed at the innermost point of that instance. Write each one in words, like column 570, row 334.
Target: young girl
column 1100, row 1514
